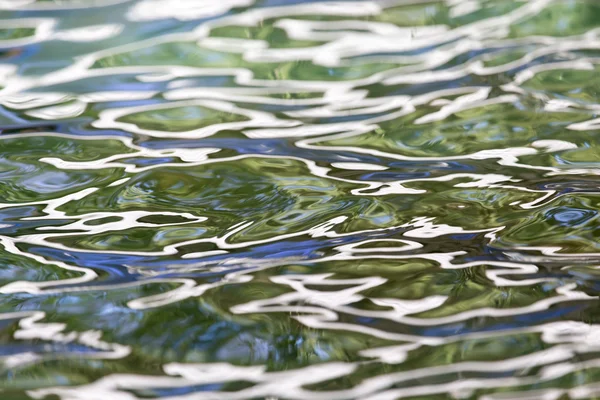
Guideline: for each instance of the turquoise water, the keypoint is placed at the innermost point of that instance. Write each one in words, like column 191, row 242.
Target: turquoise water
column 307, row 200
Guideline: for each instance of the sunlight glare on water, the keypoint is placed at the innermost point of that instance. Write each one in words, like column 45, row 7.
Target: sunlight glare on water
column 303, row 200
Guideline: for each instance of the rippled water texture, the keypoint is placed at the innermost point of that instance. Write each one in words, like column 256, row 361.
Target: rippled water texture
column 307, row 200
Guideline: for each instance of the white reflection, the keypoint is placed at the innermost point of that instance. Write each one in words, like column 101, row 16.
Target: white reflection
column 89, row 33
column 437, row 74
column 184, row 10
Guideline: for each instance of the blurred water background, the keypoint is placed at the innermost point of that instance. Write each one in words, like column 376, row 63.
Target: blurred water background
column 308, row 200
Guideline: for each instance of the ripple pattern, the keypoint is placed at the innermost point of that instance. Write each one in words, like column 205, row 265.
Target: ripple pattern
column 308, row 200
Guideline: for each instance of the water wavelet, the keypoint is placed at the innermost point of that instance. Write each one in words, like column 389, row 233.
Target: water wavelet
column 304, row 199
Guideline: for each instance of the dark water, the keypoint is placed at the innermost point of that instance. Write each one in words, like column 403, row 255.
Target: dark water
column 279, row 199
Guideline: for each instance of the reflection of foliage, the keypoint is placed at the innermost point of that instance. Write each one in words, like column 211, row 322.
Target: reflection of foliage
column 570, row 222
column 577, row 85
column 192, row 55
column 561, row 18
column 276, row 37
column 278, row 195
column 25, row 178
column 466, row 132
column 180, row 119
column 188, row 54
column 17, row 33
column 189, row 331
column 18, row 268
column 465, row 231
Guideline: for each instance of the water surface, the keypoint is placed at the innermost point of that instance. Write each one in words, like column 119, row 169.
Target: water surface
column 308, row 200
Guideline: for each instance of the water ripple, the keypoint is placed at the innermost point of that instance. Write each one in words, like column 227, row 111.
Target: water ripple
column 246, row 199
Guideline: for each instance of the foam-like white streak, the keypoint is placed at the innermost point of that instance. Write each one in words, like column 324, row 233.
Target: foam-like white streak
column 43, row 29
column 425, row 228
column 506, row 156
column 35, row 5
column 25, row 101
column 31, row 328
column 353, row 166
column 330, row 96
column 292, row 383
column 89, row 33
column 99, row 97
column 319, row 309
column 183, row 10
column 298, row 29
column 187, row 156
column 9, row 245
column 62, row 111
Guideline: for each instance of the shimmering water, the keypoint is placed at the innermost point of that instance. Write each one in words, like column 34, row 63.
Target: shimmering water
column 309, row 200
